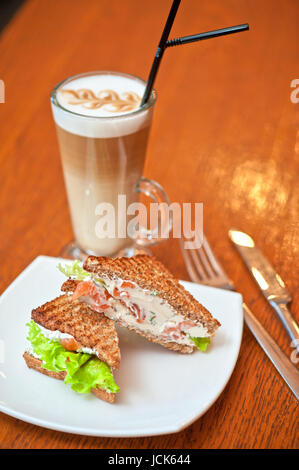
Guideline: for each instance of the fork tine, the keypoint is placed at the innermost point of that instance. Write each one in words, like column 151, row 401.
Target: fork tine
column 192, row 270
column 193, row 273
column 215, row 263
column 197, row 263
column 205, row 262
column 200, row 265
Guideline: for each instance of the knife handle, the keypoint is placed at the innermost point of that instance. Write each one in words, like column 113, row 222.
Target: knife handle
column 284, row 366
column 288, row 321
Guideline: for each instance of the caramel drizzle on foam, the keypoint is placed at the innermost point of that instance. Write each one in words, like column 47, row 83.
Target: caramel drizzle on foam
column 109, row 99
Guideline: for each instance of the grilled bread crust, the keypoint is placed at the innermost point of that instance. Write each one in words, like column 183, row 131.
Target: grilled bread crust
column 36, row 364
column 181, row 348
column 89, row 328
column 150, row 274
column 70, row 286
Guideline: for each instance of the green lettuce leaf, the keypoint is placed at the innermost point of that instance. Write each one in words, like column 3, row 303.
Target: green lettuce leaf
column 201, row 343
column 74, row 270
column 92, row 374
column 83, row 371
column 77, row 272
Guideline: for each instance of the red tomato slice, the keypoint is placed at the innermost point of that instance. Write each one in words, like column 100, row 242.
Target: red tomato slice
column 107, row 295
column 128, row 285
column 185, row 325
column 172, row 331
column 140, row 315
column 104, row 306
column 84, row 288
column 120, row 293
column 70, row 344
column 87, row 288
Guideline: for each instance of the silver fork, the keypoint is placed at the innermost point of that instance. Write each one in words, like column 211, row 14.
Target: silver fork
column 204, row 268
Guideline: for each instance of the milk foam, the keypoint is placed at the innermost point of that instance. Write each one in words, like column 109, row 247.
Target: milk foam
column 99, row 122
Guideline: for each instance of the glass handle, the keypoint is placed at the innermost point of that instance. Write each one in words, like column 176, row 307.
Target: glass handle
column 160, row 214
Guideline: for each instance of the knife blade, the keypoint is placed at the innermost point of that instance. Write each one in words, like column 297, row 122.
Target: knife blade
column 270, row 283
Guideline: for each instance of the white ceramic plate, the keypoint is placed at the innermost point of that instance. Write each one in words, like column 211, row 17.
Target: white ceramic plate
column 161, row 391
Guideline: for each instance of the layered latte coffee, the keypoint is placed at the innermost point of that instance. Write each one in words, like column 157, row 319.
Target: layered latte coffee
column 102, row 133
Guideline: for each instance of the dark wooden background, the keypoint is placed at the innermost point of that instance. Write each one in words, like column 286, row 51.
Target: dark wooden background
column 225, row 133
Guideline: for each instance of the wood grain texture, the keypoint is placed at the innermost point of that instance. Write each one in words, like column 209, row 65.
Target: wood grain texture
column 225, row 133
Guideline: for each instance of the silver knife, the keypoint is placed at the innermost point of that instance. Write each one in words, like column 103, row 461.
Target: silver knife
column 270, row 283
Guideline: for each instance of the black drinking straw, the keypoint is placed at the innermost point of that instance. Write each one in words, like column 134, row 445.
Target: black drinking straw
column 164, row 43
column 210, row 34
column 160, row 51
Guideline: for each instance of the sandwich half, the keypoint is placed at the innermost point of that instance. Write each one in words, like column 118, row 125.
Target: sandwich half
column 141, row 294
column 69, row 341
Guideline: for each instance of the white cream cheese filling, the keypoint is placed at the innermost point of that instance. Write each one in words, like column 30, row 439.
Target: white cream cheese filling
column 157, row 314
column 56, row 335
column 29, row 350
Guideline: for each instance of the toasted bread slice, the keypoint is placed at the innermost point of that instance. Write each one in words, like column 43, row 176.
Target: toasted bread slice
column 145, row 276
column 90, row 329
column 151, row 275
column 36, row 364
column 69, row 285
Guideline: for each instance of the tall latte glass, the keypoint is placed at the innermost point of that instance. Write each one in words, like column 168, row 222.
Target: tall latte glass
column 102, row 133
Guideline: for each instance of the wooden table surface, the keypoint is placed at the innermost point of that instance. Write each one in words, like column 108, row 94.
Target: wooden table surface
column 225, row 133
